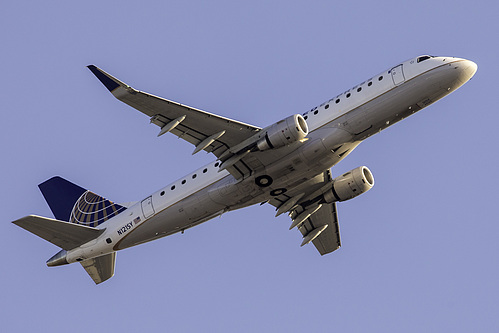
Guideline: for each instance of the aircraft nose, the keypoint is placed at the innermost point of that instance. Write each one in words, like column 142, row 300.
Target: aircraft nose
column 468, row 69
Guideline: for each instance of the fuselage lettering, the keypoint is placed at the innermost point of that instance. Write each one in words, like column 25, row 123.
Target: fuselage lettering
column 125, row 228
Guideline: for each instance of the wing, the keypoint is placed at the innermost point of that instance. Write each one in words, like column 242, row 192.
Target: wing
column 232, row 142
column 329, row 239
column 205, row 130
column 317, row 222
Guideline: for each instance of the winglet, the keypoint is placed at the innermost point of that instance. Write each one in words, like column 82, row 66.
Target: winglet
column 111, row 83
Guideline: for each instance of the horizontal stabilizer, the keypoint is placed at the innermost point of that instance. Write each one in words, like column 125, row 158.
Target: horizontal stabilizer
column 63, row 234
column 101, row 268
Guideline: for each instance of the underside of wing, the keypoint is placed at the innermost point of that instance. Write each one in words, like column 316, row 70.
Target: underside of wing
column 329, row 239
column 207, row 131
column 316, row 220
column 237, row 146
column 234, row 143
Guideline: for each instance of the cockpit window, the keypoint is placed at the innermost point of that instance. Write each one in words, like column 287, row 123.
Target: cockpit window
column 423, row 58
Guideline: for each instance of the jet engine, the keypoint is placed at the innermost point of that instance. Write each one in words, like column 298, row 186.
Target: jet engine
column 283, row 133
column 350, row 185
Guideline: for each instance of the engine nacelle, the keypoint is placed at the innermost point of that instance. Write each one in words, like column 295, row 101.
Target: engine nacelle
column 284, row 132
column 350, row 185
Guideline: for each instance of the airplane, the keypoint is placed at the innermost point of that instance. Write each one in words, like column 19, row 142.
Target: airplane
column 286, row 164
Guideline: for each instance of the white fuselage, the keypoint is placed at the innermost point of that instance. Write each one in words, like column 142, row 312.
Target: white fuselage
column 336, row 127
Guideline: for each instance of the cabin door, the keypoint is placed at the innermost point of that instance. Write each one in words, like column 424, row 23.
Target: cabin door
column 398, row 75
column 147, row 208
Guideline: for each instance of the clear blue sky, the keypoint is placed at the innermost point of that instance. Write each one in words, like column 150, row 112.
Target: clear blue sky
column 420, row 250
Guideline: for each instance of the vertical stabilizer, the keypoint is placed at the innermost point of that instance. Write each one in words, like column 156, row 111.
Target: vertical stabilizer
column 61, row 196
column 72, row 203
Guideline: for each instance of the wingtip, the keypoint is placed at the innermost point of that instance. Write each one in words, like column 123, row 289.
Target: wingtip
column 109, row 82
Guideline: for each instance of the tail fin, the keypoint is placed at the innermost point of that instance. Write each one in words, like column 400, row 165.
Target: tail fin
column 69, row 236
column 72, row 203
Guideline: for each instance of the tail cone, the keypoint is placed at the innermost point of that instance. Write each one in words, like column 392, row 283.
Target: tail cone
column 58, row 259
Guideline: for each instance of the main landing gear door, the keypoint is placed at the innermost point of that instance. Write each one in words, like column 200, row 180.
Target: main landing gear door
column 398, row 75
